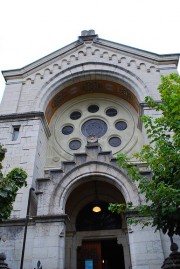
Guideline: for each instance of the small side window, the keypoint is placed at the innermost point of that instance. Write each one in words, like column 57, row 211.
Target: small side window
column 15, row 133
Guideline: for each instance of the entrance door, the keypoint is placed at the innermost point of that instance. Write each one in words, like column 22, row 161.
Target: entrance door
column 89, row 256
column 105, row 254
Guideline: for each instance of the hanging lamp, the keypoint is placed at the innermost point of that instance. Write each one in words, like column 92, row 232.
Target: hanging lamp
column 96, row 208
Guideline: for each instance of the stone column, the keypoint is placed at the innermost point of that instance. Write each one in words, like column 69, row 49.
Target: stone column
column 145, row 247
column 122, row 239
column 49, row 242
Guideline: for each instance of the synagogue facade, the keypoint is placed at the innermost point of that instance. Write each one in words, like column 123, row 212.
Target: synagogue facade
column 63, row 119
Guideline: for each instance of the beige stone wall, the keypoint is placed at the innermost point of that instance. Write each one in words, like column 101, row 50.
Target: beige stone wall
column 54, row 170
column 27, row 152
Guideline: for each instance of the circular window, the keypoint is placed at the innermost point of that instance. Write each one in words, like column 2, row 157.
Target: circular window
column 75, row 115
column 75, row 144
column 121, row 125
column 114, row 141
column 66, row 130
column 111, row 112
column 95, row 127
column 93, row 108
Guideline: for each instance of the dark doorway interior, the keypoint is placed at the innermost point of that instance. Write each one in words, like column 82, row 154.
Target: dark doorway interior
column 87, row 220
column 112, row 255
column 104, row 254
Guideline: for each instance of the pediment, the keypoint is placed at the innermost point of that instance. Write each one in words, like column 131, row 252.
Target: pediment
column 90, row 48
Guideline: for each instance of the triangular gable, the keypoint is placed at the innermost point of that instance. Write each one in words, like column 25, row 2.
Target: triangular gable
column 103, row 48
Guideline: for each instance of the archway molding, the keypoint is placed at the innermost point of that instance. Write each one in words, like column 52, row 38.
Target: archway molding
column 90, row 71
column 83, row 173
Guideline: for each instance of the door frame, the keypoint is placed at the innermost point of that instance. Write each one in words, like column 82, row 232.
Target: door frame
column 102, row 253
column 75, row 240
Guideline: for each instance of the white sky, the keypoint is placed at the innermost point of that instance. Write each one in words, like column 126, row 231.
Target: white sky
column 32, row 29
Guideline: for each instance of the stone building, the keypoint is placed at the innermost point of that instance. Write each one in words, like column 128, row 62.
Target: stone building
column 63, row 119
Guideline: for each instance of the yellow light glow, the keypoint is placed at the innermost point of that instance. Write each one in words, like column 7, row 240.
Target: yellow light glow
column 96, row 209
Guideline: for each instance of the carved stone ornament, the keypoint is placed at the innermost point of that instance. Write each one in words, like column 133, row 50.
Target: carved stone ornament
column 56, row 159
column 92, row 139
column 87, row 32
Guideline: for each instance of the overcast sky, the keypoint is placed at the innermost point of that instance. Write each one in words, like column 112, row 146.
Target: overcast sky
column 33, row 29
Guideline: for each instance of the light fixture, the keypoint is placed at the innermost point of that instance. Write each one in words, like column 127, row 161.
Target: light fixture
column 96, row 208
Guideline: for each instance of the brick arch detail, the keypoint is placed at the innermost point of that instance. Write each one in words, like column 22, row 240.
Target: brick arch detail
column 78, row 175
column 89, row 72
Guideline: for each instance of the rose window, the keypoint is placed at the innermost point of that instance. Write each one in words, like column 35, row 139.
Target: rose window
column 95, row 127
column 108, row 118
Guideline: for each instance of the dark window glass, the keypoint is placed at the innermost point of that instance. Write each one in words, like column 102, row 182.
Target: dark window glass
column 75, row 144
column 15, row 133
column 94, row 127
column 87, row 220
column 111, row 112
column 75, row 115
column 121, row 125
column 115, row 141
column 93, row 108
column 66, row 130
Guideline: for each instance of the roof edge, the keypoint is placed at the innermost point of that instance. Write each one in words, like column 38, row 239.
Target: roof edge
column 90, row 35
column 41, row 61
column 137, row 51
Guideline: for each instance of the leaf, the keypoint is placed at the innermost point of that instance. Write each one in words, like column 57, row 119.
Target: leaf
column 161, row 190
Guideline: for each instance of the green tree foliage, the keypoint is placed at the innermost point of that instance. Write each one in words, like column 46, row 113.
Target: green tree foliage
column 9, row 185
column 162, row 156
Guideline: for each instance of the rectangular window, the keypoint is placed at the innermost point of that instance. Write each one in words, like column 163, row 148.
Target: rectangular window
column 15, row 133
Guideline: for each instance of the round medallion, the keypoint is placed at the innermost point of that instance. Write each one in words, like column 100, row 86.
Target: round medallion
column 66, row 130
column 94, row 127
column 111, row 112
column 56, row 159
column 75, row 144
column 115, row 141
column 121, row 125
column 75, row 115
column 93, row 108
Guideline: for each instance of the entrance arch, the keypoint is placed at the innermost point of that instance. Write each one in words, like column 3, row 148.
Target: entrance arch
column 106, row 172
column 71, row 187
column 103, row 242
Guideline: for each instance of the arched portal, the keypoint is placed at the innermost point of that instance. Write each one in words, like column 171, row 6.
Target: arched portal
column 90, row 122
column 92, row 176
column 97, row 239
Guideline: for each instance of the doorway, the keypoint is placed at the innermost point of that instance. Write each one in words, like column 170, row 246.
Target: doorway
column 104, row 254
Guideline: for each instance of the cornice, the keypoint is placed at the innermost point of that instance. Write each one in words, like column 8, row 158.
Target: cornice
column 28, row 115
column 34, row 219
column 156, row 58
column 40, row 63
column 159, row 59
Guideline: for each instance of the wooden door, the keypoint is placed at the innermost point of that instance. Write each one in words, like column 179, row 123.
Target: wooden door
column 89, row 254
